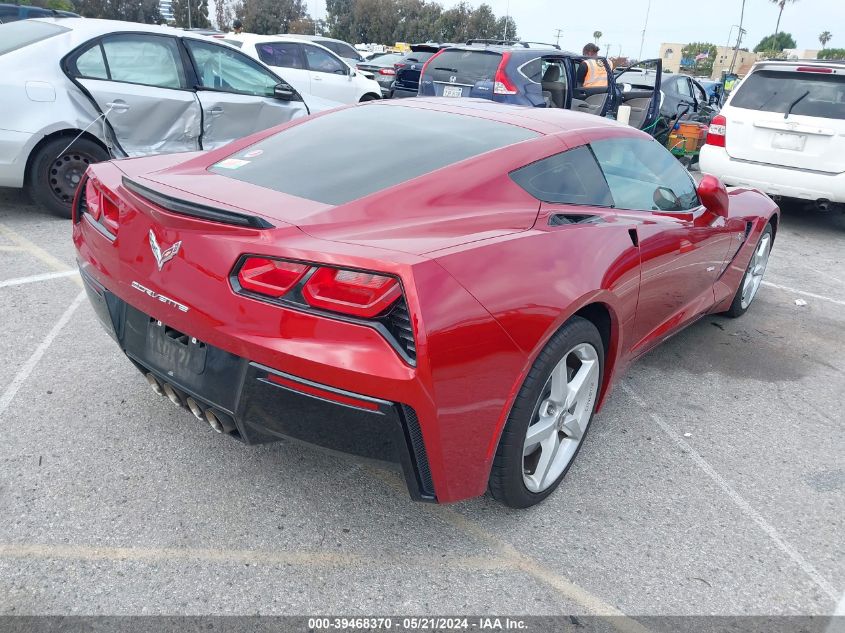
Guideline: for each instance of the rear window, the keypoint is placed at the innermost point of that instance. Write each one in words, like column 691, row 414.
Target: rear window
column 808, row 94
column 419, row 56
column 22, row 33
column 320, row 159
column 571, row 177
column 467, row 67
column 342, row 49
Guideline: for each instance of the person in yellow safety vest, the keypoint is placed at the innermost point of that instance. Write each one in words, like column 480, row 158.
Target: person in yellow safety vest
column 591, row 72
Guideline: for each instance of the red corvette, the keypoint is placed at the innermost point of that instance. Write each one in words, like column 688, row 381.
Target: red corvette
column 462, row 307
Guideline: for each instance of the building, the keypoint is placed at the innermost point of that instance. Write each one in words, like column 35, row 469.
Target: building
column 724, row 58
column 673, row 60
column 670, row 53
column 801, row 53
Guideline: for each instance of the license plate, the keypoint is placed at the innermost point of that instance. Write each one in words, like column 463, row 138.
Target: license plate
column 174, row 351
column 794, row 142
column 452, row 91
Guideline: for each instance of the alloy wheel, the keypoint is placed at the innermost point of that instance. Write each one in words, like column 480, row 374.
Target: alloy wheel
column 756, row 269
column 560, row 417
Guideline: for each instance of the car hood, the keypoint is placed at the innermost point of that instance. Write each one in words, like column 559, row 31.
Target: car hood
column 415, row 223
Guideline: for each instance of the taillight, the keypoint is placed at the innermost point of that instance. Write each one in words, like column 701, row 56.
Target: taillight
column 717, row 131
column 92, row 198
column 270, row 277
column 351, row 292
column 110, row 214
column 101, row 207
column 428, row 61
column 386, row 71
column 502, row 85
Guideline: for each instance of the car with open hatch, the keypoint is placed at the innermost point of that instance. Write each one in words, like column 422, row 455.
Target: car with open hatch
column 463, row 313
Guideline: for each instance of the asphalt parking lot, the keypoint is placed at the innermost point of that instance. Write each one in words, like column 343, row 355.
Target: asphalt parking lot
column 712, row 482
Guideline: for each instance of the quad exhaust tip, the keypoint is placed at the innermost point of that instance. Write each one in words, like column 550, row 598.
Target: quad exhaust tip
column 172, row 395
column 213, row 421
column 154, row 384
column 195, row 409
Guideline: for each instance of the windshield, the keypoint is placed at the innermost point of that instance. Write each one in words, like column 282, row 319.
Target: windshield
column 320, row 159
column 16, row 35
column 808, row 94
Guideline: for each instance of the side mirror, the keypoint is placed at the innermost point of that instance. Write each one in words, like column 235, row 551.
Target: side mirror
column 713, row 195
column 285, row 92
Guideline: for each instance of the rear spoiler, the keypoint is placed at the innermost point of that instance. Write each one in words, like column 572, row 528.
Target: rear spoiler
column 194, row 209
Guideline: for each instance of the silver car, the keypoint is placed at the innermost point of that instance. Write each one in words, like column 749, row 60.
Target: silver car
column 77, row 91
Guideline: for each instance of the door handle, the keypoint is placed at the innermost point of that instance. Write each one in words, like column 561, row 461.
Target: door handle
column 216, row 111
column 118, row 105
column 316, row 78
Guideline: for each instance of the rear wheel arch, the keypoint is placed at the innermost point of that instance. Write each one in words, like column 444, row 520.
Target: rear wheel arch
column 70, row 134
column 605, row 320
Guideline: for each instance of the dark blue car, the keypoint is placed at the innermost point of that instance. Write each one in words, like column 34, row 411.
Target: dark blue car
column 529, row 74
column 407, row 82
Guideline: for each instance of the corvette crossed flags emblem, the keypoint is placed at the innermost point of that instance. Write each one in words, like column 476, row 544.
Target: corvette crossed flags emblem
column 162, row 257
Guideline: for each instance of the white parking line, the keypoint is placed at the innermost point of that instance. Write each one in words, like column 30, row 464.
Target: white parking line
column 813, row 295
column 32, row 361
column 741, row 503
column 17, row 281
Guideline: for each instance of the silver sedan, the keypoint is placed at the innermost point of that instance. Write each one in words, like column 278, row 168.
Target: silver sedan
column 77, row 91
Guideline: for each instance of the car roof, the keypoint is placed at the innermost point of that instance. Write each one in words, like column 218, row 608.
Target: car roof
column 523, row 47
column 255, row 38
column 544, row 121
column 86, row 28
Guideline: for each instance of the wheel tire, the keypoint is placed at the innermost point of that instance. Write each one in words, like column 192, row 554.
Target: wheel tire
column 507, row 483
column 55, row 171
column 369, row 97
column 737, row 309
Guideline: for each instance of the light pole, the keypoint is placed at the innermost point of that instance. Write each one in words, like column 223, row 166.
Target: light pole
column 189, row 14
column 645, row 26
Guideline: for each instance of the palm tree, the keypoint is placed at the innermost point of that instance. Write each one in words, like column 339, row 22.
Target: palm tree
column 824, row 38
column 781, row 4
column 597, row 36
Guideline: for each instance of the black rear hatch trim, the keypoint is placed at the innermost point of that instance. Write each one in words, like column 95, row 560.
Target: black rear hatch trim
column 195, row 209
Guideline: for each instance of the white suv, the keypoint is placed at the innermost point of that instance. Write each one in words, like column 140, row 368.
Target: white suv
column 783, row 131
column 308, row 66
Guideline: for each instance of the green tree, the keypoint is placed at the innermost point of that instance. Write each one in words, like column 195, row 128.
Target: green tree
column 506, row 28
column 146, row 11
column 781, row 5
column 453, row 24
column 596, row 37
column 824, row 38
column 339, row 18
column 198, row 14
column 268, row 17
column 60, row 5
column 691, row 51
column 775, row 43
column 832, row 53
column 482, row 23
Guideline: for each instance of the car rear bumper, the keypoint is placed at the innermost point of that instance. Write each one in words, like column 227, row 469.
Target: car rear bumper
column 772, row 179
column 13, row 152
column 399, row 93
column 256, row 403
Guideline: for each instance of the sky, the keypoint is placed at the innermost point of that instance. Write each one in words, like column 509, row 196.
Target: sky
column 622, row 21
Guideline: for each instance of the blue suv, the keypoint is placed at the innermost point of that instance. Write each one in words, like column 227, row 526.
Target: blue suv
column 532, row 74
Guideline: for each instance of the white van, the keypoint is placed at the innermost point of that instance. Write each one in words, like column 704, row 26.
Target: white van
column 782, row 131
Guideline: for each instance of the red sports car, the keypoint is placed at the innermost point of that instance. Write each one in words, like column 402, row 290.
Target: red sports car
column 461, row 308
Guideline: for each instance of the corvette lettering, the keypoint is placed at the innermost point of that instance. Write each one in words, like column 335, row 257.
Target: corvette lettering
column 152, row 293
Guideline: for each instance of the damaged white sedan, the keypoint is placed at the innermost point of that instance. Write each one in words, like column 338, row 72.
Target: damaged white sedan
column 78, row 91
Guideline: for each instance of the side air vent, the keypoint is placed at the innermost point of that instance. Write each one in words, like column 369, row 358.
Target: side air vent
column 193, row 209
column 418, row 447
column 559, row 219
column 398, row 322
